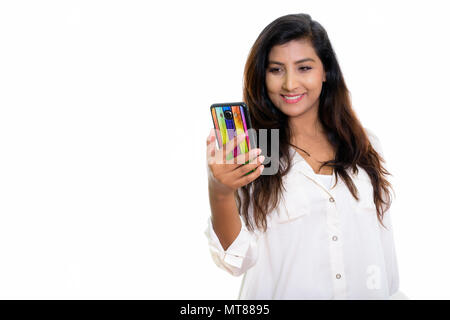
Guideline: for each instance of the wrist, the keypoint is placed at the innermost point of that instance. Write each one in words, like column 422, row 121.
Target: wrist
column 219, row 194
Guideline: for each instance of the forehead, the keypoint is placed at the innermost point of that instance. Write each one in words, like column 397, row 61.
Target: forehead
column 292, row 51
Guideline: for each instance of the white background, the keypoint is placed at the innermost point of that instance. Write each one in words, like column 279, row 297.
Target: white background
column 104, row 114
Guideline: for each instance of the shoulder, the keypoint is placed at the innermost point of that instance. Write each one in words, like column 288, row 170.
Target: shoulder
column 374, row 141
column 371, row 135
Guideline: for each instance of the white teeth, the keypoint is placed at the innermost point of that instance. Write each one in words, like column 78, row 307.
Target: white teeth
column 292, row 98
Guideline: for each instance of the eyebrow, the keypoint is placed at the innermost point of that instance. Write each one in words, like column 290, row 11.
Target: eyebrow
column 298, row 61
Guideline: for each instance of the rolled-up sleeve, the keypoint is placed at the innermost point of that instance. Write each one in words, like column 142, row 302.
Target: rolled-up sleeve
column 240, row 256
column 387, row 235
column 390, row 255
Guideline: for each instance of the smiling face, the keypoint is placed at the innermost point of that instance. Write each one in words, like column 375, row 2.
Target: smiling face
column 294, row 77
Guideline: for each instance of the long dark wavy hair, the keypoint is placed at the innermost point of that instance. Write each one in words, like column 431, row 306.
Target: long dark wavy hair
column 344, row 130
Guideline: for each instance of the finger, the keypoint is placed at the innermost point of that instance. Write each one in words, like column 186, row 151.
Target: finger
column 210, row 135
column 244, row 169
column 252, row 174
column 211, row 146
column 248, row 156
column 228, row 156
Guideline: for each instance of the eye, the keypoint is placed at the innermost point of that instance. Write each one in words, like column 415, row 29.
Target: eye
column 274, row 70
column 305, row 68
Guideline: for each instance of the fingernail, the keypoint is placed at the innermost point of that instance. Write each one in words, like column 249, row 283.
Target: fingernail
column 255, row 152
column 261, row 159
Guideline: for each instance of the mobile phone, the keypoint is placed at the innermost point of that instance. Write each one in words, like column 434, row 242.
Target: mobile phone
column 231, row 119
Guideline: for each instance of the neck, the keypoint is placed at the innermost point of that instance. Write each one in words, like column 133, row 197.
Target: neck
column 306, row 127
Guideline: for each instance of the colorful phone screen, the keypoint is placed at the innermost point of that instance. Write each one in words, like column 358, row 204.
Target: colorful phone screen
column 231, row 120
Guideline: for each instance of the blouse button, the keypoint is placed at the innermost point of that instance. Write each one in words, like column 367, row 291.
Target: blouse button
column 331, row 199
column 338, row 276
column 335, row 238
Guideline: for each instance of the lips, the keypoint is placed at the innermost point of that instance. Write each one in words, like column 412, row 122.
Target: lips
column 292, row 98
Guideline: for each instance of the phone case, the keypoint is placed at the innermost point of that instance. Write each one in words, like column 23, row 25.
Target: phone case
column 231, row 119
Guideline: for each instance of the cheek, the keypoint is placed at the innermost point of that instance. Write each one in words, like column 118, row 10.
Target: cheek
column 272, row 84
column 314, row 80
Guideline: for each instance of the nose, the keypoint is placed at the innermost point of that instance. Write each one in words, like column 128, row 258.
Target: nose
column 290, row 82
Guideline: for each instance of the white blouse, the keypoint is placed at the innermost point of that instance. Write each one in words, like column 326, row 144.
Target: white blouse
column 326, row 179
column 320, row 243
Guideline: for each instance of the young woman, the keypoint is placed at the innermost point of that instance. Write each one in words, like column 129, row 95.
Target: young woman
column 320, row 227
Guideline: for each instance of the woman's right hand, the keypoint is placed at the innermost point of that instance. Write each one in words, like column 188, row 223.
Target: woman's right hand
column 226, row 176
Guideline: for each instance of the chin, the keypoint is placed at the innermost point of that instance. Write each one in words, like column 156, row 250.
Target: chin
column 291, row 114
column 292, row 111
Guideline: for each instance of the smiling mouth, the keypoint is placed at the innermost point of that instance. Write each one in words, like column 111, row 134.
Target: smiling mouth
column 292, row 99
